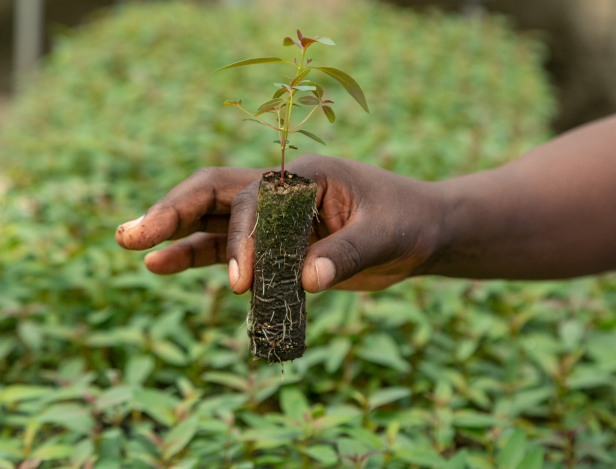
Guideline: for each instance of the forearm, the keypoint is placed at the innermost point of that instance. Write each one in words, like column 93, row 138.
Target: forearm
column 549, row 214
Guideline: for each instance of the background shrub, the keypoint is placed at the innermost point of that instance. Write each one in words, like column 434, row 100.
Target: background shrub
column 105, row 364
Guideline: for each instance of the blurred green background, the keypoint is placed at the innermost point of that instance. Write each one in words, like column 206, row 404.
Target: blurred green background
column 105, row 365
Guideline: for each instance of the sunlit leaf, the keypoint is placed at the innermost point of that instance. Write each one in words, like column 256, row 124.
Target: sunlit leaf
column 329, row 112
column 308, row 101
column 348, row 83
column 258, row 60
column 312, row 136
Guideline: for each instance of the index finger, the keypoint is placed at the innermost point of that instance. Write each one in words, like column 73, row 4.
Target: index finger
column 208, row 191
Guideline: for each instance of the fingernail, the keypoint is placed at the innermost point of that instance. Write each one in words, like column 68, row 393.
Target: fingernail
column 134, row 222
column 234, row 273
column 326, row 272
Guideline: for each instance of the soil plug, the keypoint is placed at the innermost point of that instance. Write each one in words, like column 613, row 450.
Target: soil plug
column 285, row 207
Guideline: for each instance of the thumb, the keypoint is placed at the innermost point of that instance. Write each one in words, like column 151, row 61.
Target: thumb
column 338, row 257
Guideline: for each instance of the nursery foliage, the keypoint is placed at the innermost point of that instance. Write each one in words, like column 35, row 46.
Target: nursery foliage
column 103, row 364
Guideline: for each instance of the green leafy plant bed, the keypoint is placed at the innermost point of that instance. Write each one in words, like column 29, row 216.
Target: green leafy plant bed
column 105, row 365
column 277, row 317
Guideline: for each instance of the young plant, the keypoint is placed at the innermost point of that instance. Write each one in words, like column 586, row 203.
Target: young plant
column 285, row 98
column 285, row 208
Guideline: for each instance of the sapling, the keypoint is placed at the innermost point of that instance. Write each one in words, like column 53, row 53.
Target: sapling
column 285, row 208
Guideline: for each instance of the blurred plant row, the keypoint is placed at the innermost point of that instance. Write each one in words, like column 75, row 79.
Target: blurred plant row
column 105, row 365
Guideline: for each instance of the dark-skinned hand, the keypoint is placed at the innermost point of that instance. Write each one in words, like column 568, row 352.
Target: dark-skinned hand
column 373, row 227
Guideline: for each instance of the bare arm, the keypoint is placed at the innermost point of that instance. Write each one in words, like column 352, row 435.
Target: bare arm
column 549, row 214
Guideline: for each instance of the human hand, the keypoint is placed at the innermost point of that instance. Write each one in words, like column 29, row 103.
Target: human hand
column 374, row 227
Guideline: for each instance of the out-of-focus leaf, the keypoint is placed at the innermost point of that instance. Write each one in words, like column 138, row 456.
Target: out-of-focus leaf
column 300, row 77
column 312, row 136
column 309, row 101
column 457, row 462
column 421, row 456
column 232, row 103
column 289, row 42
column 271, row 104
column 323, row 454
column 226, row 379
column 293, row 403
column 138, row 368
column 380, row 348
column 279, row 93
column 473, row 419
column 329, row 112
column 533, row 460
column 513, row 452
column 52, row 452
column 337, row 351
column 169, row 352
column 179, row 436
column 18, row 392
column 348, row 83
column 385, row 396
column 259, row 60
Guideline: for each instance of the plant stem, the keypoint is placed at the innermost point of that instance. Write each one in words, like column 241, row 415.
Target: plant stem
column 287, row 118
column 314, row 109
column 255, row 118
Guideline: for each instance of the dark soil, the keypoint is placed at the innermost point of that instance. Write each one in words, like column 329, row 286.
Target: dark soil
column 277, row 317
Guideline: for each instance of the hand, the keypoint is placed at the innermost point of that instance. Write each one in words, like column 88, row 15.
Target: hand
column 374, row 227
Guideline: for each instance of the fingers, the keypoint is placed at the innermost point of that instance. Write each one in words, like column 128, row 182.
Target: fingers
column 339, row 257
column 200, row 203
column 239, row 242
column 197, row 250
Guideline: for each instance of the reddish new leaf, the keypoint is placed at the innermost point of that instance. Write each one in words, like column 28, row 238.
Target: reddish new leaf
column 348, row 83
column 258, row 60
column 289, row 42
column 329, row 112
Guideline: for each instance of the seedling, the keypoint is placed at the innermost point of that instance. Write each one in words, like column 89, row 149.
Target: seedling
column 285, row 98
column 285, row 208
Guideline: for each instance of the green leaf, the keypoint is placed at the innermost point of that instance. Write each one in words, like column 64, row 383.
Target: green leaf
column 472, row 419
column 226, row 379
column 271, row 104
column 169, row 352
column 179, row 437
column 318, row 92
column 323, row 454
column 533, row 460
column 6, row 464
column 258, row 60
column 337, row 351
column 300, row 77
column 380, row 348
column 293, row 403
column 138, row 368
column 279, row 93
column 387, row 395
column 18, row 392
column 309, row 101
column 52, row 452
column 312, row 136
column 304, row 88
column 422, row 456
column 513, row 451
column 329, row 112
column 348, row 83
column 325, row 40
column 457, row 462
